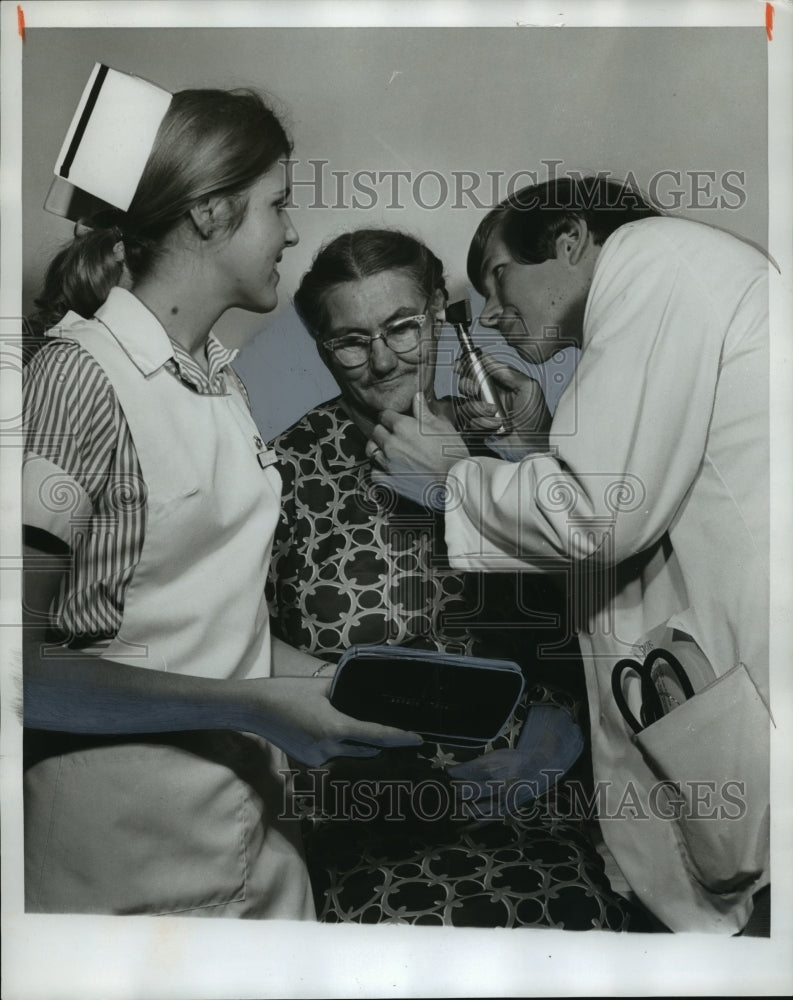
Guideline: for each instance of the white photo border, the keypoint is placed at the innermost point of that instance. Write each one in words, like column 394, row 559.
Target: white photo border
column 59, row 957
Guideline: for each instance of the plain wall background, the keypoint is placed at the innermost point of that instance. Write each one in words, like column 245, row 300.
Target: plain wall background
column 640, row 100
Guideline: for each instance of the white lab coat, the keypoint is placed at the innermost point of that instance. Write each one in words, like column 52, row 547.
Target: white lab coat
column 654, row 497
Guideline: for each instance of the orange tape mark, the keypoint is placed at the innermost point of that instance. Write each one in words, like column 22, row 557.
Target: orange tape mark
column 769, row 21
column 21, row 22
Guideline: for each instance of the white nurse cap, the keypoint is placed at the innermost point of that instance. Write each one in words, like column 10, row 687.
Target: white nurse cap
column 108, row 143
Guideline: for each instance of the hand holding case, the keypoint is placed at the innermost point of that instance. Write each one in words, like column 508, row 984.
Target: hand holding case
column 444, row 697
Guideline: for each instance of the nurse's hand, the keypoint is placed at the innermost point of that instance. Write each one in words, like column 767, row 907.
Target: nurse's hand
column 295, row 714
column 412, row 454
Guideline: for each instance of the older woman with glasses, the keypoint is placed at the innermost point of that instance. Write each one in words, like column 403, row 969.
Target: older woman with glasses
column 354, row 564
column 346, row 571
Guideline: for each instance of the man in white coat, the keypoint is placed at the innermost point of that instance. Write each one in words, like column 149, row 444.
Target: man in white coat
column 651, row 492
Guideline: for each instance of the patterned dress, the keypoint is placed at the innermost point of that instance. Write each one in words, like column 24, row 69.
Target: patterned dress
column 353, row 563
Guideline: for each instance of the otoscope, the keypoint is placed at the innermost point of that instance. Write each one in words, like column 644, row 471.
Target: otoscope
column 458, row 314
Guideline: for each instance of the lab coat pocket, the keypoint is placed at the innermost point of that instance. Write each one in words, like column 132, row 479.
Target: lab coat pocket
column 712, row 755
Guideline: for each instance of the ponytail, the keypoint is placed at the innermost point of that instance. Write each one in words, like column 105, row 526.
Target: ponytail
column 80, row 276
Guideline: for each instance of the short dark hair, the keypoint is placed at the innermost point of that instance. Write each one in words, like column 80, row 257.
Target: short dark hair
column 530, row 220
column 359, row 254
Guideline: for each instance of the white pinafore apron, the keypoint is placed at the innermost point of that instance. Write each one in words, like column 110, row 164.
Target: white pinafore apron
column 182, row 823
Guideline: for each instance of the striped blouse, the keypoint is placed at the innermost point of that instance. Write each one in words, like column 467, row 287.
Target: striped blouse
column 73, row 420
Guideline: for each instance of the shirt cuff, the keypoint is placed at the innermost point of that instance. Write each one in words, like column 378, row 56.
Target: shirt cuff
column 510, row 453
column 469, row 545
column 51, row 498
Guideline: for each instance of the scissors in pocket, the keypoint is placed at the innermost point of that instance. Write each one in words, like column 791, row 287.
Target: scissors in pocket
column 657, row 696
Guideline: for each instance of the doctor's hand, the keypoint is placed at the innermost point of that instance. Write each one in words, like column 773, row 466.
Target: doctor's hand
column 523, row 401
column 296, row 715
column 413, row 454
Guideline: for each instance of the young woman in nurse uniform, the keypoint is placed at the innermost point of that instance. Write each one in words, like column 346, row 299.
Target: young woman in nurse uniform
column 153, row 716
